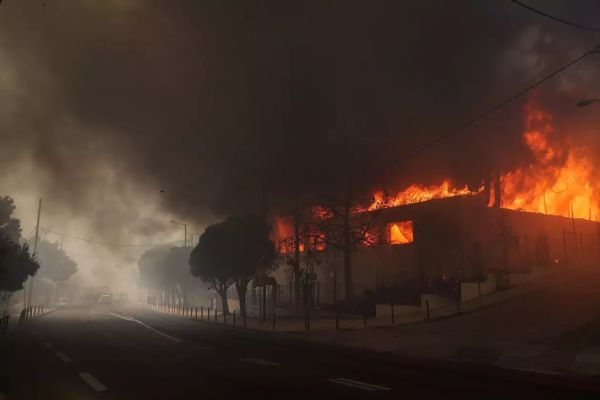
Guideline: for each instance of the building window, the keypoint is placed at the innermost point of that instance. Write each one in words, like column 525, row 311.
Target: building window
column 400, row 232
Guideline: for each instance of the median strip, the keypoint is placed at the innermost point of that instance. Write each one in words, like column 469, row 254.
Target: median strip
column 93, row 382
column 359, row 385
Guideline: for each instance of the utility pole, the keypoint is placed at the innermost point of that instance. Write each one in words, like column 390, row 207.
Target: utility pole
column 35, row 243
column 184, row 230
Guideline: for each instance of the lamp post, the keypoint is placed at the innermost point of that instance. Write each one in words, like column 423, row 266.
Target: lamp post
column 184, row 230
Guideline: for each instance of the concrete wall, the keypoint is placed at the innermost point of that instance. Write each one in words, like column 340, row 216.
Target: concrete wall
column 470, row 290
column 435, row 301
column 385, row 310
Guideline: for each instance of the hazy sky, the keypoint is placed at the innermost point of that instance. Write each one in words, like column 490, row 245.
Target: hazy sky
column 106, row 103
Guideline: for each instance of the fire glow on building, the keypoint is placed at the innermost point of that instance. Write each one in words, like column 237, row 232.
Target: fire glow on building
column 559, row 181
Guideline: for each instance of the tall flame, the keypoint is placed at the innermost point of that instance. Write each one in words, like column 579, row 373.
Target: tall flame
column 417, row 193
column 559, row 181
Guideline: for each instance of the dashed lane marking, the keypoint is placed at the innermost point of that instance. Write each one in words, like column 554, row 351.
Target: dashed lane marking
column 63, row 356
column 48, row 345
column 533, row 370
column 202, row 348
column 93, row 382
column 359, row 385
column 258, row 361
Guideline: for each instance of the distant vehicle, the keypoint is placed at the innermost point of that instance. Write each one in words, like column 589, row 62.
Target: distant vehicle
column 105, row 299
column 123, row 298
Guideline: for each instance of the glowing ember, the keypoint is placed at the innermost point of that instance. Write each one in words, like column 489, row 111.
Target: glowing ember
column 401, row 232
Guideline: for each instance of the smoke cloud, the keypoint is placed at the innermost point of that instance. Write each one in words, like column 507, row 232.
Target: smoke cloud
column 122, row 115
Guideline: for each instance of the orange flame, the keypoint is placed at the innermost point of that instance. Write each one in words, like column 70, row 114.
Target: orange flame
column 417, row 193
column 401, row 232
column 560, row 181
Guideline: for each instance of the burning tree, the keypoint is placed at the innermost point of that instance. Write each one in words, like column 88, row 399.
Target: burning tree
column 343, row 225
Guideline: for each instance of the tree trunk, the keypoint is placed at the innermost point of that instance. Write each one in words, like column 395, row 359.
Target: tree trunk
column 296, row 254
column 242, row 289
column 222, row 290
column 347, row 249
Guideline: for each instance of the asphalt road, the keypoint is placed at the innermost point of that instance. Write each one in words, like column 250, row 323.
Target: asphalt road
column 102, row 352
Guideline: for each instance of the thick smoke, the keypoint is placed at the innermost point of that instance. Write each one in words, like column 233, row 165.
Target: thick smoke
column 106, row 104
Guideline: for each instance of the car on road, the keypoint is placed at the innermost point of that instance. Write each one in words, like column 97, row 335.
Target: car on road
column 105, row 299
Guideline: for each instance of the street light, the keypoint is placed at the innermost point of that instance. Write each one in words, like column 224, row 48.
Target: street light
column 184, row 230
column 587, row 102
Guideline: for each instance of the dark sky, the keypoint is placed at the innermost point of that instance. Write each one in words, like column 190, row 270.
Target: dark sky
column 105, row 103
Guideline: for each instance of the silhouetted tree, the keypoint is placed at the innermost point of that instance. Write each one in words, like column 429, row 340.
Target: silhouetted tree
column 9, row 226
column 177, row 274
column 343, row 223
column 229, row 253
column 55, row 264
column 16, row 264
column 167, row 270
column 151, row 269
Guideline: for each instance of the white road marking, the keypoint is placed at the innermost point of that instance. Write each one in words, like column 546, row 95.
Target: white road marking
column 137, row 321
column 63, row 356
column 536, row 371
column 203, row 348
column 93, row 382
column 258, row 361
column 358, row 384
column 48, row 345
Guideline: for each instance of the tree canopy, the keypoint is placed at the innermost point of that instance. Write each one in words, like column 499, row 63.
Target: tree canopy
column 9, row 226
column 55, row 264
column 230, row 252
column 16, row 263
column 166, row 269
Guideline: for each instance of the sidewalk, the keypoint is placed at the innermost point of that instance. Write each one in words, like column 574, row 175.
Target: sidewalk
column 291, row 324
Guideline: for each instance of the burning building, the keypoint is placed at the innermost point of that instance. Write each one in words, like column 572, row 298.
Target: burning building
column 443, row 240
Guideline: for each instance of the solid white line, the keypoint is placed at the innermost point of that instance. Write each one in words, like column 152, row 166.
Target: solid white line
column 365, row 384
column 137, row 321
column 258, row 361
column 358, row 384
column 93, row 382
column 352, row 385
column 63, row 356
column 537, row 371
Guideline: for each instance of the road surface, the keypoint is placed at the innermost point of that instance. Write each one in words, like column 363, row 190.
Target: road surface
column 103, row 352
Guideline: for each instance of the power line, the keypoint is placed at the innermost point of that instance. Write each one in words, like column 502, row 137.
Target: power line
column 489, row 111
column 109, row 243
column 552, row 17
